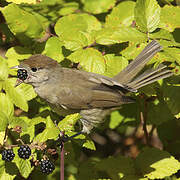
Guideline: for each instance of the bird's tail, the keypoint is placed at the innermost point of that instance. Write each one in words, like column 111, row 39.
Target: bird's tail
column 128, row 75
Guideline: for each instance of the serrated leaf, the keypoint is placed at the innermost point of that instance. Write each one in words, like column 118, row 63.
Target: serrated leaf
column 15, row 95
column 56, row 51
column 3, row 69
column 89, row 144
column 156, row 164
column 169, row 20
column 108, row 36
column 121, row 15
column 98, row 6
column 50, row 132
column 22, row 24
column 24, row 166
column 90, row 59
column 4, row 175
column 114, row 64
column 67, row 124
column 147, row 15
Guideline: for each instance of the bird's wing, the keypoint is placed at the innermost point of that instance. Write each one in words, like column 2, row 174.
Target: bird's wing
column 82, row 90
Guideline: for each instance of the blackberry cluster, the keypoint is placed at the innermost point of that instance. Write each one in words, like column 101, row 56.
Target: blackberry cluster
column 47, row 166
column 7, row 155
column 22, row 74
column 24, row 152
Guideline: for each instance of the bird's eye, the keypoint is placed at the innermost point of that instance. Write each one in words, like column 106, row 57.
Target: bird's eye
column 34, row 69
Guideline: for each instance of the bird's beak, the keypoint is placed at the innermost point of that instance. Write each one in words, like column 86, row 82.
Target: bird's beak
column 18, row 81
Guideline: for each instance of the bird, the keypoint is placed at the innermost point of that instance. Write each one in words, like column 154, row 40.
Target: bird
column 69, row 90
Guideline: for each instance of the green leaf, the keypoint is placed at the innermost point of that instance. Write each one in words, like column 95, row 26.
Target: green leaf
column 50, row 132
column 3, row 69
column 74, row 30
column 23, row 1
column 133, row 50
column 24, row 166
column 117, row 167
column 116, row 119
column 162, row 34
column 26, row 91
column 67, row 124
column 70, row 30
column 56, row 51
column 24, row 25
column 18, row 121
column 3, row 121
column 68, row 8
column 2, row 135
column 171, row 134
column 114, row 64
column 108, row 36
column 147, row 15
column 90, row 59
column 126, row 114
column 89, row 144
column 17, row 53
column 96, row 7
column 121, row 15
column 174, row 53
column 156, row 164
column 172, row 97
column 6, row 106
column 4, row 173
column 15, row 95
column 169, row 20
column 155, row 115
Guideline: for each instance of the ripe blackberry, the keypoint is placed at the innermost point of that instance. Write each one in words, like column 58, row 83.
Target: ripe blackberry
column 22, row 74
column 47, row 166
column 7, row 155
column 24, row 152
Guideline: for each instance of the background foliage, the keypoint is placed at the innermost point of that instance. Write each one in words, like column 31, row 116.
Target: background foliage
column 141, row 140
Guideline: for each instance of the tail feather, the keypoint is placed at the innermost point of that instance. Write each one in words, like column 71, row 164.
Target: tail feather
column 150, row 79
column 138, row 63
column 129, row 77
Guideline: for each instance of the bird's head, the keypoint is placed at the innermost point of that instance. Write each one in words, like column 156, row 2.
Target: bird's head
column 36, row 69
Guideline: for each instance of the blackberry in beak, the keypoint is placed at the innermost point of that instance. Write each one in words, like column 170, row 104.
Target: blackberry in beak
column 22, row 74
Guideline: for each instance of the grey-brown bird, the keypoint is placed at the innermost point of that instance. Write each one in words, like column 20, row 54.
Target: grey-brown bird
column 92, row 95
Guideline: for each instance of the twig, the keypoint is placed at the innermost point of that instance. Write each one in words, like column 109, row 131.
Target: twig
column 143, row 117
column 62, row 162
